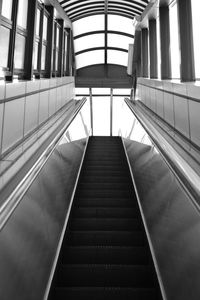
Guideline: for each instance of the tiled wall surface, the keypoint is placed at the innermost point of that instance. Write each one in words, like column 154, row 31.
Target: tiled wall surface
column 24, row 106
column 177, row 103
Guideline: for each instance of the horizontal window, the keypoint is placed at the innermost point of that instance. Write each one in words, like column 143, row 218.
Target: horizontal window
column 100, row 91
column 121, row 24
column 88, row 24
column 91, row 41
column 119, row 41
column 117, row 57
column 90, row 58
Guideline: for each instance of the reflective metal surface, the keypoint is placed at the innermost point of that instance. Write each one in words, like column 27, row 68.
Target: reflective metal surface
column 188, row 176
column 172, row 220
column 30, row 237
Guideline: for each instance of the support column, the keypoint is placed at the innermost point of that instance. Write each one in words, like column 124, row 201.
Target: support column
column 153, row 49
column 186, row 40
column 50, row 38
column 31, row 21
column 145, row 50
column 61, row 49
column 165, row 43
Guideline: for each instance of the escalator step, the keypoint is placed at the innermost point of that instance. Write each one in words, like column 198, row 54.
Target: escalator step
column 104, row 224
column 101, row 179
column 105, row 202
column 105, row 212
column 101, row 293
column 99, row 193
column 105, row 255
column 105, row 238
column 104, row 186
column 104, row 172
column 105, row 275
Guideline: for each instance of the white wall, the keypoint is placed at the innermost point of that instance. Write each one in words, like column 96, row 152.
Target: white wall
column 176, row 103
column 25, row 106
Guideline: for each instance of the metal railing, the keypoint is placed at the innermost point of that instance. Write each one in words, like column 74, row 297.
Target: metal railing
column 10, row 204
column 187, row 176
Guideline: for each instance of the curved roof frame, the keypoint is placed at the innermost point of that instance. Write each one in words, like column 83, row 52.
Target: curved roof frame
column 110, row 9
column 102, row 32
column 123, row 6
column 98, row 12
column 72, row 7
column 79, row 9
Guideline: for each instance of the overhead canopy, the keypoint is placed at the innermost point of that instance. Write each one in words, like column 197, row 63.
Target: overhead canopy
column 102, row 30
column 77, row 9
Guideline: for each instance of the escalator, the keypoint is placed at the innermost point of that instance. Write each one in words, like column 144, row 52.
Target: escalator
column 105, row 253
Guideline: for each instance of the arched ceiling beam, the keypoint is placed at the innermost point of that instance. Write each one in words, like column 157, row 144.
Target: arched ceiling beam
column 100, row 48
column 85, row 10
column 86, row 5
column 110, row 7
column 116, row 13
column 118, row 3
column 132, row 11
column 102, row 32
column 87, row 14
column 140, row 3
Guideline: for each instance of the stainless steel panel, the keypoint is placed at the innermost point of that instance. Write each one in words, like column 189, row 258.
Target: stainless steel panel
column 30, row 237
column 172, row 220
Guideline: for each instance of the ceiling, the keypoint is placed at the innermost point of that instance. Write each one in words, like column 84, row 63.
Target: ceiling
column 76, row 9
column 102, row 30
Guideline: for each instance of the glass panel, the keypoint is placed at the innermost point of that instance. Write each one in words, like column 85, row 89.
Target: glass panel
column 4, row 46
column 89, row 58
column 117, row 114
column 88, row 24
column 101, row 115
column 80, row 127
column 117, row 57
column 174, row 41
column 7, row 9
column 82, row 91
column 56, row 61
column 126, row 92
column 134, row 5
column 121, row 24
column 94, row 40
column 43, row 58
column 22, row 13
column 36, row 56
column 65, row 42
column 158, row 46
column 120, row 41
column 38, row 22
column 195, row 22
column 87, row 9
column 45, row 23
column 19, row 51
column 57, row 37
column 76, row 7
column 100, row 91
